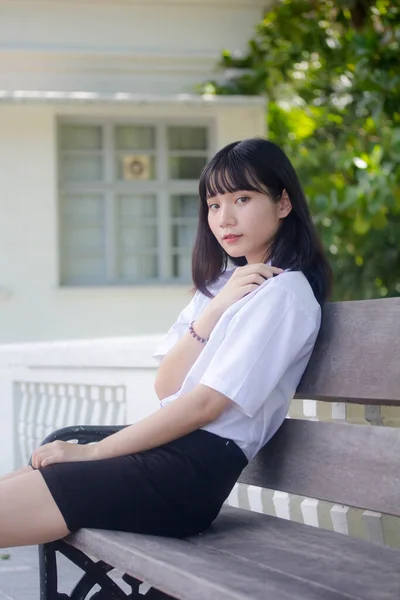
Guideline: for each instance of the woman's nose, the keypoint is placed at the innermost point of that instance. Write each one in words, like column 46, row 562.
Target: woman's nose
column 226, row 217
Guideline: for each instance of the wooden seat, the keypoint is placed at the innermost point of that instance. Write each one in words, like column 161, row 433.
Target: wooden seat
column 246, row 555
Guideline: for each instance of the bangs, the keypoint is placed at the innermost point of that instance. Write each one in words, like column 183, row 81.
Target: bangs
column 229, row 174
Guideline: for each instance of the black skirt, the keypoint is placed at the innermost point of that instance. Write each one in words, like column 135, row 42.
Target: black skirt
column 175, row 490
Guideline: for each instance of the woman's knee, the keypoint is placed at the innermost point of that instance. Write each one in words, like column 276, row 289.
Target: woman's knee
column 28, row 512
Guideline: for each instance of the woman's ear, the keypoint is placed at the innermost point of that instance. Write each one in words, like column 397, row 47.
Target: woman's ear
column 285, row 206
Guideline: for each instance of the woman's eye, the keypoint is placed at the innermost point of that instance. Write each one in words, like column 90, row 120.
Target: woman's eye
column 213, row 206
column 242, row 199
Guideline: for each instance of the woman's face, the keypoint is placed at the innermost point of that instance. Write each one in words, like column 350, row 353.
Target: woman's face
column 245, row 222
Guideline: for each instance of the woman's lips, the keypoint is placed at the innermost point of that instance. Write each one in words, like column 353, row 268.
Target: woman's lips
column 230, row 239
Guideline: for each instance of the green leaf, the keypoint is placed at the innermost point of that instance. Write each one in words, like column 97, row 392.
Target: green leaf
column 333, row 88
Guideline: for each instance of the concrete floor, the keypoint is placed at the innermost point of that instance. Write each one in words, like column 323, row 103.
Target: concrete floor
column 19, row 574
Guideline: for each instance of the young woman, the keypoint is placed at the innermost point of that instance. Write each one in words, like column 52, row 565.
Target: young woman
column 229, row 368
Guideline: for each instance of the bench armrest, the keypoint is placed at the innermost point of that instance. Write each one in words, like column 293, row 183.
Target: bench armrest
column 84, row 434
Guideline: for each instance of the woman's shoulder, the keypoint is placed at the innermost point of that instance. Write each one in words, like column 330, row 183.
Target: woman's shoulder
column 296, row 285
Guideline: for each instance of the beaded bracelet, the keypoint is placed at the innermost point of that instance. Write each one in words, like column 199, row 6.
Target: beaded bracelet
column 194, row 334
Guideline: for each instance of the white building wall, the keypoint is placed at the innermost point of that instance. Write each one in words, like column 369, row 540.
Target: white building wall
column 32, row 304
column 139, row 46
column 125, row 59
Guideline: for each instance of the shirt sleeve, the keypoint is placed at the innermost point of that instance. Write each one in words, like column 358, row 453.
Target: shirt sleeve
column 263, row 339
column 186, row 316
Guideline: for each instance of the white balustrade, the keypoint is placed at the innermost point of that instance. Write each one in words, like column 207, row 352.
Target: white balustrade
column 47, row 386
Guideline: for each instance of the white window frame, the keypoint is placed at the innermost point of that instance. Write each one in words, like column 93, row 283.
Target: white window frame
column 161, row 186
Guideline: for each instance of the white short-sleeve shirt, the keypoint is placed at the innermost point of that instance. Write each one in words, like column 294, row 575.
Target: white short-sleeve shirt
column 256, row 355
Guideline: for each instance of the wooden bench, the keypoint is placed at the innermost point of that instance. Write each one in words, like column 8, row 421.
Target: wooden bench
column 247, row 555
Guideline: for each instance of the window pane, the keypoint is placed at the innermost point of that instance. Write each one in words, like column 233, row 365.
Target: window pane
column 82, row 239
column 131, row 167
column 184, row 205
column 132, row 137
column 86, row 252
column 136, row 238
column 81, row 137
column 86, row 270
column 81, row 168
column 82, row 208
column 187, row 138
column 138, row 206
column 137, row 268
column 183, row 236
column 182, row 266
column 186, row 167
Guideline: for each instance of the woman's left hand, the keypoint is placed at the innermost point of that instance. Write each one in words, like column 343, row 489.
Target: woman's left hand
column 58, row 451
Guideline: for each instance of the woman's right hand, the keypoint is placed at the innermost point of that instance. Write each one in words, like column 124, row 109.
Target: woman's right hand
column 243, row 281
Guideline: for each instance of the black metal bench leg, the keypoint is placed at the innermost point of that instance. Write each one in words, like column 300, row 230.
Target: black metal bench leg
column 151, row 594
column 94, row 573
column 48, row 573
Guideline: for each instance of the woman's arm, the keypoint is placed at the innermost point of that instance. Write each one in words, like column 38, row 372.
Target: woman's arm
column 179, row 360
column 186, row 414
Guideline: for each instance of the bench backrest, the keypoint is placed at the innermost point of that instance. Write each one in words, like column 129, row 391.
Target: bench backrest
column 357, row 360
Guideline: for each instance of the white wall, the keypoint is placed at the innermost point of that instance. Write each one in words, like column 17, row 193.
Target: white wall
column 32, row 305
column 153, row 51
column 139, row 46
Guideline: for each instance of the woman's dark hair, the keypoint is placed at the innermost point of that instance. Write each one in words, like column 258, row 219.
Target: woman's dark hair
column 260, row 165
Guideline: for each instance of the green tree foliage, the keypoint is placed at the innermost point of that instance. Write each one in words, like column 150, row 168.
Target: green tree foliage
column 331, row 73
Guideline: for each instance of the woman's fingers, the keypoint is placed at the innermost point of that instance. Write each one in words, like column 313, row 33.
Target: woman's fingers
column 34, row 459
column 258, row 274
column 49, row 460
column 271, row 271
column 265, row 271
column 58, row 451
column 253, row 278
column 37, row 459
column 243, row 281
column 47, row 454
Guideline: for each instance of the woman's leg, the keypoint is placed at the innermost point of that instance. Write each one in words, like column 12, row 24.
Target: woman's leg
column 20, row 471
column 28, row 513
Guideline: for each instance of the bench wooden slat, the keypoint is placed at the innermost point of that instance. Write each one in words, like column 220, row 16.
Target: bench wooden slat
column 246, row 556
column 191, row 572
column 339, row 371
column 347, row 464
column 354, row 567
